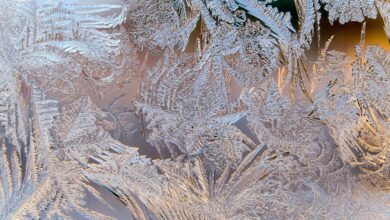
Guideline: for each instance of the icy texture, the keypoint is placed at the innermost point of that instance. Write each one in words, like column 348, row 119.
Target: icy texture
column 355, row 105
column 244, row 126
column 384, row 10
column 350, row 10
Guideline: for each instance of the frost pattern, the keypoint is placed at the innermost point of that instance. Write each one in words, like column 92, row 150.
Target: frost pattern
column 350, row 10
column 355, row 112
column 35, row 183
column 244, row 126
column 384, row 10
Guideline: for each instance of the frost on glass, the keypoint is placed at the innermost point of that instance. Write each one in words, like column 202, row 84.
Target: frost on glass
column 350, row 10
column 355, row 108
column 192, row 109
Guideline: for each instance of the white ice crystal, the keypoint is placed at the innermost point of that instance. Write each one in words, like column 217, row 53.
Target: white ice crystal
column 350, row 10
column 231, row 120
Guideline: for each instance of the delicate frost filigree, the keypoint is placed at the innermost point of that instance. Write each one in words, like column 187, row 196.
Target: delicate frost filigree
column 35, row 183
column 354, row 105
column 217, row 101
column 350, row 10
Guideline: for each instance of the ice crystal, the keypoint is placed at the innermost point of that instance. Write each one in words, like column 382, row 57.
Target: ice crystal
column 355, row 111
column 350, row 10
column 35, row 183
column 231, row 119
column 384, row 10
